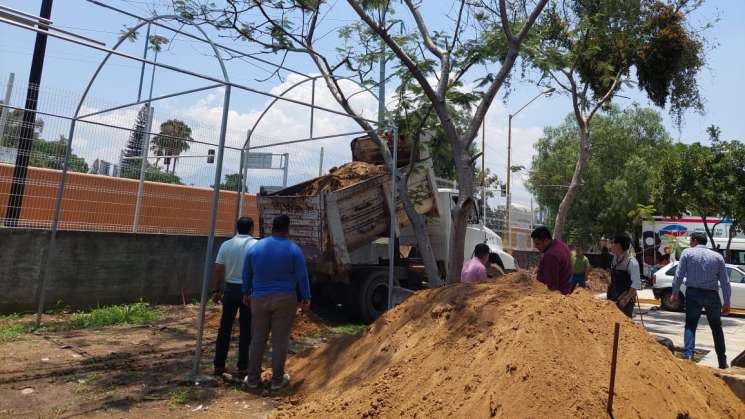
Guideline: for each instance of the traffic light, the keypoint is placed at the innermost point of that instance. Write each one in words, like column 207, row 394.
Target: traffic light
column 211, row 155
column 503, row 190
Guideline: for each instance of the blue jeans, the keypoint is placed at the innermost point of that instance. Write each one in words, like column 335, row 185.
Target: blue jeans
column 578, row 279
column 697, row 299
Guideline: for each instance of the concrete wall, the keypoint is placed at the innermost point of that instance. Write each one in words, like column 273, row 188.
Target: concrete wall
column 92, row 269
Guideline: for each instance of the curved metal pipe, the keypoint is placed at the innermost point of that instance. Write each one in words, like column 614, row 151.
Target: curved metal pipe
column 311, row 79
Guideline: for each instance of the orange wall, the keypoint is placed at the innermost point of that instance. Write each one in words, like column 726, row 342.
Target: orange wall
column 104, row 203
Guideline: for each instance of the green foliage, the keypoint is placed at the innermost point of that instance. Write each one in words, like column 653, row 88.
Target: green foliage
column 155, row 174
column 232, row 182
column 132, row 314
column 602, row 40
column 703, row 180
column 627, row 146
column 172, row 140
column 349, row 329
column 47, row 154
column 130, row 168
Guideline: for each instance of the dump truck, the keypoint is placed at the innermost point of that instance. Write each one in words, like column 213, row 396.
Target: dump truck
column 344, row 235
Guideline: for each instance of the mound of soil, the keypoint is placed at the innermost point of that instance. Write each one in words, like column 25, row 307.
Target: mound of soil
column 345, row 175
column 307, row 324
column 598, row 280
column 508, row 348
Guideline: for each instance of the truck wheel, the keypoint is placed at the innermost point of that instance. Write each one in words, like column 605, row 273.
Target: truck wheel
column 667, row 304
column 372, row 296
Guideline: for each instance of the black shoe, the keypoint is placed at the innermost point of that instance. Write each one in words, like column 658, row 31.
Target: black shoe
column 723, row 365
column 219, row 371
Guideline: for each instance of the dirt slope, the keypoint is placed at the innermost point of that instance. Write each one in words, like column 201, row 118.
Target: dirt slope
column 505, row 349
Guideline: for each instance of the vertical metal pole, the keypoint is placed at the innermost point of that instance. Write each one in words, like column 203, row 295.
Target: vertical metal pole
column 239, row 197
column 509, row 181
column 55, row 226
column 244, row 173
column 26, row 134
column 286, row 158
column 207, row 273
column 142, row 68
column 483, row 170
column 6, row 100
column 312, row 105
column 320, row 164
column 143, row 169
column 614, row 358
column 394, row 221
column 532, row 218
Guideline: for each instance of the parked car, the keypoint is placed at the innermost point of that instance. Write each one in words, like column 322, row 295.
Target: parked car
column 662, row 284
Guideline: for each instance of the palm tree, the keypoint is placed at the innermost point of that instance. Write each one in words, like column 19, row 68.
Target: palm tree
column 171, row 141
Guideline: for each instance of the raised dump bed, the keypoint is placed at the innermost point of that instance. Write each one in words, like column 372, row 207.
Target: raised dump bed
column 335, row 214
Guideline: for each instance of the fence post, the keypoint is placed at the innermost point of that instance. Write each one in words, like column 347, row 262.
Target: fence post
column 143, row 168
column 320, row 164
column 394, row 221
column 207, row 273
column 4, row 111
column 286, row 157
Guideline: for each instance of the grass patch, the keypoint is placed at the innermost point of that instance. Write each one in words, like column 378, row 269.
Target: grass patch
column 11, row 332
column 183, row 396
column 349, row 329
column 137, row 313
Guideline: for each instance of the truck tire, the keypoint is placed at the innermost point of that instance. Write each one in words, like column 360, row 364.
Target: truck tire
column 371, row 296
column 667, row 304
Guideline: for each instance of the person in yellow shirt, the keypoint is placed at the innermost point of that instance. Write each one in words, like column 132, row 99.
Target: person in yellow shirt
column 580, row 267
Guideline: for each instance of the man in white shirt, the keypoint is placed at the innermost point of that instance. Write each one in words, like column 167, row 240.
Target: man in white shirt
column 229, row 268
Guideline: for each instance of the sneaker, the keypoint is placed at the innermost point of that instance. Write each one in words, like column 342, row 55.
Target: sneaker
column 281, row 385
column 241, row 374
column 723, row 365
column 250, row 384
column 219, row 371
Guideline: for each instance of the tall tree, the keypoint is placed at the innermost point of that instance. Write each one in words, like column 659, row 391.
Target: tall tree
column 485, row 34
column 130, row 167
column 703, row 181
column 627, row 145
column 172, row 140
column 591, row 49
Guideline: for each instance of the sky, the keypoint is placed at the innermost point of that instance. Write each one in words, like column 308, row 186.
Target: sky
column 68, row 67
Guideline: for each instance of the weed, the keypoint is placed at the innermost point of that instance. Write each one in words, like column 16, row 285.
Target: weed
column 10, row 332
column 182, row 396
column 349, row 329
column 137, row 313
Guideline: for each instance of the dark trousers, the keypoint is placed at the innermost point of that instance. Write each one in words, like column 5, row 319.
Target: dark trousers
column 697, row 299
column 232, row 303
column 272, row 313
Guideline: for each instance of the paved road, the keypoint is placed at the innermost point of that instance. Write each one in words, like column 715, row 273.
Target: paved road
column 670, row 324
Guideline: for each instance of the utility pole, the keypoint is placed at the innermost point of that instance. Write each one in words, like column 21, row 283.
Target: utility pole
column 25, row 141
column 320, row 164
column 509, row 181
column 483, row 171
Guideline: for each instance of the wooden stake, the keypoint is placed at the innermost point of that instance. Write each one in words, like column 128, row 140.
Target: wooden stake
column 614, row 358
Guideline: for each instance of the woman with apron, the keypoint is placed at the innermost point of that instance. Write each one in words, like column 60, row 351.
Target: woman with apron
column 624, row 276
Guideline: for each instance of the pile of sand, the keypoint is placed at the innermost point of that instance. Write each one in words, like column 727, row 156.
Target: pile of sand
column 343, row 176
column 307, row 324
column 508, row 348
column 598, row 280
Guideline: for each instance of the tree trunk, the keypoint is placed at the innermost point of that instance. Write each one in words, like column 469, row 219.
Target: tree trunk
column 173, row 170
column 566, row 203
column 709, row 231
column 424, row 245
column 459, row 215
column 730, row 233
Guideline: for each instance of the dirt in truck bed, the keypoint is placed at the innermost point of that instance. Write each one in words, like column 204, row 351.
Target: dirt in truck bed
column 345, row 175
column 509, row 348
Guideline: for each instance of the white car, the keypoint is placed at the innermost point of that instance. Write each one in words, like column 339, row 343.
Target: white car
column 662, row 286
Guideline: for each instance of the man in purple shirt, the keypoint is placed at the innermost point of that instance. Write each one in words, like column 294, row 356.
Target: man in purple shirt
column 555, row 267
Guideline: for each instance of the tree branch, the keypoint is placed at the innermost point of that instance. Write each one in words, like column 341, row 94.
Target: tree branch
column 608, row 95
column 426, row 37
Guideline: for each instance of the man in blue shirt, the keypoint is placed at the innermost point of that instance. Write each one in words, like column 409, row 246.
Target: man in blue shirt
column 273, row 272
column 704, row 271
column 229, row 267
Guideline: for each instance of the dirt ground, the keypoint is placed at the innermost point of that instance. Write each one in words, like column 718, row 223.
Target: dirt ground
column 128, row 371
column 508, row 348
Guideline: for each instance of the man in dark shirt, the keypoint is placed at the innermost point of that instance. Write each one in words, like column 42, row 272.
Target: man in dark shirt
column 555, row 267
